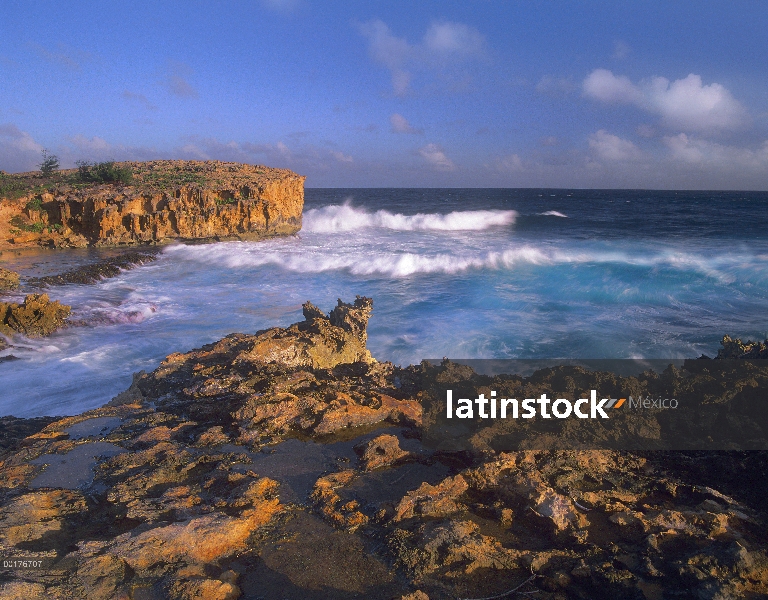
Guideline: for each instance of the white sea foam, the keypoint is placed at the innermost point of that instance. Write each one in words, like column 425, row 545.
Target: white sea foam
column 553, row 213
column 338, row 218
column 389, row 261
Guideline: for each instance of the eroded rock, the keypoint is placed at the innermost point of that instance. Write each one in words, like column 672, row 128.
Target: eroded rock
column 36, row 316
column 381, row 451
column 9, row 280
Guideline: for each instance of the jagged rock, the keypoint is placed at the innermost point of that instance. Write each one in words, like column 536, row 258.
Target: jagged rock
column 286, row 379
column 316, row 342
column 381, row 451
column 432, row 500
column 9, row 280
column 353, row 318
column 329, row 502
column 738, row 349
column 36, row 316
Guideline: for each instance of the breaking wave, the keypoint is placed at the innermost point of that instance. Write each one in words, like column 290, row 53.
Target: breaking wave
column 337, row 218
column 390, row 263
column 553, row 213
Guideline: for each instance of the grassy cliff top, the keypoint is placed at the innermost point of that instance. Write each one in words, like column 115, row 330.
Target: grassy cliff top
column 151, row 175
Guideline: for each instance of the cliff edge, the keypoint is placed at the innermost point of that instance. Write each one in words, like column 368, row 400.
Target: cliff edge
column 164, row 200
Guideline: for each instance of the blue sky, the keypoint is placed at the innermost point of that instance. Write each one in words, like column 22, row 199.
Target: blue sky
column 438, row 94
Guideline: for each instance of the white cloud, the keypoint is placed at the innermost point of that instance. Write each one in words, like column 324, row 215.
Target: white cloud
column 454, row 38
column 401, row 125
column 685, row 104
column 689, row 105
column 443, row 46
column 435, row 156
column 603, row 85
column 391, row 51
column 341, row 157
column 282, row 149
column 695, row 151
column 18, row 150
column 611, row 147
column 94, row 144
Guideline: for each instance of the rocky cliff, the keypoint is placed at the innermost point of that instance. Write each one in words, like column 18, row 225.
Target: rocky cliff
column 165, row 200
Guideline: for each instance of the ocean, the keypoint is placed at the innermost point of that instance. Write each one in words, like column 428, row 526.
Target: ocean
column 462, row 273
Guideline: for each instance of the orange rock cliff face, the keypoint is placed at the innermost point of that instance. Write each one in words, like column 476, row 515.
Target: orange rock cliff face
column 166, row 200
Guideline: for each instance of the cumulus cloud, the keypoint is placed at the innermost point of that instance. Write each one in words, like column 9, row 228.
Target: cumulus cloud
column 18, row 150
column 603, row 85
column 695, row 151
column 443, row 46
column 689, row 105
column 401, row 125
column 435, row 156
column 613, row 148
column 685, row 104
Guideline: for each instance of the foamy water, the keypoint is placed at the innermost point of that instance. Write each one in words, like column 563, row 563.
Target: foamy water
column 512, row 276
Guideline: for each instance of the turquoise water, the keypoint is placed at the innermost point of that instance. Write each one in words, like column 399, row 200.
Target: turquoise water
column 459, row 273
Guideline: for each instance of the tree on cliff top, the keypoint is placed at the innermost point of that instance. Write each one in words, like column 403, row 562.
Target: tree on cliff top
column 50, row 163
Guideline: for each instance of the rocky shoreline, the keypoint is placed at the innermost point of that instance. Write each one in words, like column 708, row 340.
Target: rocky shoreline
column 289, row 464
column 37, row 315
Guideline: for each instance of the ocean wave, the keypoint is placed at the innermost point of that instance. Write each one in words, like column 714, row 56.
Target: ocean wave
column 553, row 213
column 103, row 313
column 339, row 218
column 388, row 263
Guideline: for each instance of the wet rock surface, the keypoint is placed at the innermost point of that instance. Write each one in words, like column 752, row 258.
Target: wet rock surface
column 103, row 269
column 288, row 464
column 35, row 317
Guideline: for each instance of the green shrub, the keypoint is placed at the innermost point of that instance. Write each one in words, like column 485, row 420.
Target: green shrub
column 35, row 204
column 103, row 172
column 18, row 222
